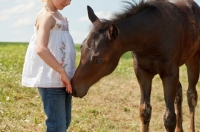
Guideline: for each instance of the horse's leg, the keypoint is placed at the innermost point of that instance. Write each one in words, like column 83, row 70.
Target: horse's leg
column 178, row 107
column 170, row 79
column 193, row 76
column 145, row 81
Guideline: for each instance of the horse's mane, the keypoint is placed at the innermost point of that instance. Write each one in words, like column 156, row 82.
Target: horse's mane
column 130, row 9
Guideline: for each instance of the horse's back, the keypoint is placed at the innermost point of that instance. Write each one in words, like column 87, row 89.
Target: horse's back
column 189, row 15
column 178, row 25
column 191, row 29
column 186, row 16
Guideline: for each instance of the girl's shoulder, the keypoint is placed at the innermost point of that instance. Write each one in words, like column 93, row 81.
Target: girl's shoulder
column 45, row 18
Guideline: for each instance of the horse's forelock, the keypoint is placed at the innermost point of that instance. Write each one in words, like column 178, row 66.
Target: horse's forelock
column 99, row 28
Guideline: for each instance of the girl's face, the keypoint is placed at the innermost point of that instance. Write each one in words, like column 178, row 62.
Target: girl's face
column 60, row 4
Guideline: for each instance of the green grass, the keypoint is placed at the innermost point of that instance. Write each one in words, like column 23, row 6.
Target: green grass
column 111, row 105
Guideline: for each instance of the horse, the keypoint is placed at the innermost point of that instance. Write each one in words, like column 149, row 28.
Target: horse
column 162, row 35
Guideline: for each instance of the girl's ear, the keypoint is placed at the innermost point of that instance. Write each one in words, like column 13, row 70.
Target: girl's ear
column 113, row 32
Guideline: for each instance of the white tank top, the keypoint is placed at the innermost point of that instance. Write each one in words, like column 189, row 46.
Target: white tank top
column 36, row 73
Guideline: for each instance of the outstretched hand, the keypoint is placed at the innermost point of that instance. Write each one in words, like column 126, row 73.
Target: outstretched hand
column 66, row 82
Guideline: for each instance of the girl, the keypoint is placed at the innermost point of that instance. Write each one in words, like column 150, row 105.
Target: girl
column 50, row 64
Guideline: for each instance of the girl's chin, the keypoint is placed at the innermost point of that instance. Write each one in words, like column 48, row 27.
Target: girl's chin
column 61, row 7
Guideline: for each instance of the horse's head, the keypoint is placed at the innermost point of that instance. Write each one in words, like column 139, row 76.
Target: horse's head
column 100, row 54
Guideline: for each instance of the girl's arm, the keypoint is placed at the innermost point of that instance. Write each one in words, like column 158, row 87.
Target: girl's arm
column 45, row 23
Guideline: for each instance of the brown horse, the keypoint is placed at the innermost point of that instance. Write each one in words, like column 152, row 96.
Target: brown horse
column 162, row 36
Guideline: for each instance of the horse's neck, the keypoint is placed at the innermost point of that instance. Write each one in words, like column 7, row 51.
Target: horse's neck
column 136, row 33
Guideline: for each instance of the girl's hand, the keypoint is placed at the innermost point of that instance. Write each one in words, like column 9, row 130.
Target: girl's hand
column 66, row 82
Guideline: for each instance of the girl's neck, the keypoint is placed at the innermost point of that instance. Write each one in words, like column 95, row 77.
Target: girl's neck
column 50, row 7
column 50, row 10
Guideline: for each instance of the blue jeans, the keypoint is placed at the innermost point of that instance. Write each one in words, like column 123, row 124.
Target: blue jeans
column 57, row 107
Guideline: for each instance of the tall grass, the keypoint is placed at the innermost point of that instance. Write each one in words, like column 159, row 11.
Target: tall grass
column 111, row 105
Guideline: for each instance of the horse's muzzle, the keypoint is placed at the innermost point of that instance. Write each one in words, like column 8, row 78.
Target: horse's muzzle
column 73, row 92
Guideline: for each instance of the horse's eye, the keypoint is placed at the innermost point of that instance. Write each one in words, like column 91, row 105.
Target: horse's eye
column 98, row 60
column 81, row 46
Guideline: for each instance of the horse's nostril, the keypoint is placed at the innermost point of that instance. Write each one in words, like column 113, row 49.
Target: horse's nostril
column 73, row 92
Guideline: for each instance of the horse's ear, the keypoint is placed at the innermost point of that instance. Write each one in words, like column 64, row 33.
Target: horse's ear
column 113, row 32
column 93, row 18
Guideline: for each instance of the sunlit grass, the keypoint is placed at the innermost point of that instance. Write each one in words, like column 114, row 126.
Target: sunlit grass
column 112, row 104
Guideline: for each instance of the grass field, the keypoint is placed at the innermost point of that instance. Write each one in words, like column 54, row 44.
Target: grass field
column 112, row 104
